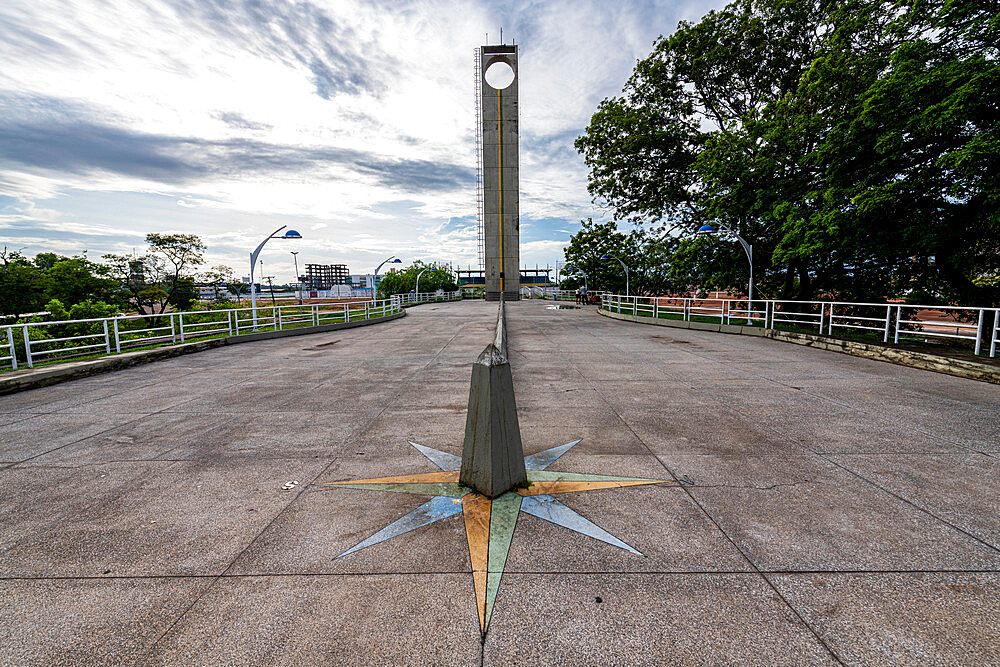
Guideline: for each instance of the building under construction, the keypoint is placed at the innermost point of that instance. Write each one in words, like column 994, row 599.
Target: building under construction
column 325, row 276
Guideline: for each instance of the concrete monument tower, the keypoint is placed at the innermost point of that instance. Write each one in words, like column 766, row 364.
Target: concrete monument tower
column 501, row 220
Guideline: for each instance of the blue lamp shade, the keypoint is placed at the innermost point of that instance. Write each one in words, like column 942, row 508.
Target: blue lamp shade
column 568, row 266
column 396, row 261
column 706, row 229
column 292, row 234
column 605, row 257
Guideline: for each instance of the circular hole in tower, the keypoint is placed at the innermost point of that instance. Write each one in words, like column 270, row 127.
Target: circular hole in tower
column 499, row 75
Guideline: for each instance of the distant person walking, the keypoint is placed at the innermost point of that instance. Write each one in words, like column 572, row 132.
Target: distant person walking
column 583, row 295
column 577, row 297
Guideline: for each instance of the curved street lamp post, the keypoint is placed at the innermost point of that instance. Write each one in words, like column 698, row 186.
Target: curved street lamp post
column 290, row 234
column 391, row 260
column 747, row 248
column 416, row 286
column 623, row 266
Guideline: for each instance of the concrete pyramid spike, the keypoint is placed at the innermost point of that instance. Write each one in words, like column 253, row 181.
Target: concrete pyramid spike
column 492, row 456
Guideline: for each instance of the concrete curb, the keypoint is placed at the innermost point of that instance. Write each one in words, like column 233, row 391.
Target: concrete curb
column 963, row 368
column 33, row 378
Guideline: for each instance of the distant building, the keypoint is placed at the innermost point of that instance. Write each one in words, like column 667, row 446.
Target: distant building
column 325, row 276
column 365, row 280
column 528, row 277
column 208, row 292
column 361, row 280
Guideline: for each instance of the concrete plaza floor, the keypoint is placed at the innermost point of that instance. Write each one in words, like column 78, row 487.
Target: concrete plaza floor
column 839, row 509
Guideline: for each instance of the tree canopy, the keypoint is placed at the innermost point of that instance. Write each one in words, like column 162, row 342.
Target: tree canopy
column 854, row 144
column 27, row 285
column 435, row 277
column 645, row 251
column 162, row 277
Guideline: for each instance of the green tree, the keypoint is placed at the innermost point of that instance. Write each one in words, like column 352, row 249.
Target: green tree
column 45, row 260
column 588, row 245
column 913, row 164
column 218, row 277
column 182, row 252
column 73, row 280
column 141, row 278
column 854, row 144
column 162, row 276
column 184, row 295
column 678, row 144
column 647, row 252
column 437, row 276
column 22, row 284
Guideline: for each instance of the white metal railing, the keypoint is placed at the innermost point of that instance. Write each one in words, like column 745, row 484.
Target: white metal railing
column 559, row 294
column 9, row 350
column 886, row 321
column 426, row 297
column 39, row 342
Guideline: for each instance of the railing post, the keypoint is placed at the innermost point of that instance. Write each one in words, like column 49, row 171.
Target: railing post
column 229, row 321
column 346, row 314
column 979, row 331
column 768, row 314
column 10, row 346
column 180, row 324
column 107, row 337
column 27, row 348
column 822, row 311
column 118, row 341
column 315, row 310
column 993, row 338
column 888, row 318
column 278, row 311
column 830, row 326
column 173, row 331
column 899, row 310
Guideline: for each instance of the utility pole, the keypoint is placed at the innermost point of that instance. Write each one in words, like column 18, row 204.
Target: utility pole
column 271, row 286
column 298, row 278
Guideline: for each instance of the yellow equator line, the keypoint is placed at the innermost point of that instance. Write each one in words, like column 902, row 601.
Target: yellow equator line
column 477, row 530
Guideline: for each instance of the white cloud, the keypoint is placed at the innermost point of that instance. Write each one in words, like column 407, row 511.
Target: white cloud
column 388, row 87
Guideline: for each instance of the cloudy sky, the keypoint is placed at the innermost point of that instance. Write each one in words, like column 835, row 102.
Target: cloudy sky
column 352, row 122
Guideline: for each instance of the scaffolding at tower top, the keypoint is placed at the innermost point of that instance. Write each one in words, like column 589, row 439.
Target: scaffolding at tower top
column 480, row 241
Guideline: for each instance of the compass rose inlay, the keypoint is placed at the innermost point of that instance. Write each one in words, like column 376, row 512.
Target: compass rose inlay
column 489, row 523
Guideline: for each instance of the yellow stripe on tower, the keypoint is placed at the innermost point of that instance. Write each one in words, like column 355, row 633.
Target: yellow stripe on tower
column 500, row 171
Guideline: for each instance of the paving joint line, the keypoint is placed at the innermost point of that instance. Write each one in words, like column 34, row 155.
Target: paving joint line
column 709, row 516
column 139, row 417
column 826, row 457
column 532, row 573
column 354, row 438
